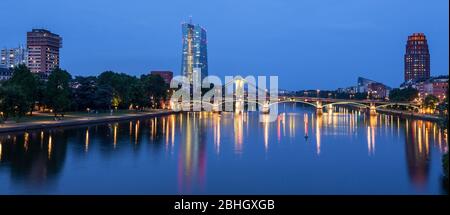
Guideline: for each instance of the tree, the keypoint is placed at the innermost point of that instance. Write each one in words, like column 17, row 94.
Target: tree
column 84, row 92
column 13, row 101
column 58, row 91
column 360, row 96
column 403, row 95
column 430, row 101
column 103, row 97
column 40, row 93
column 137, row 94
column 155, row 89
column 120, row 84
column 28, row 82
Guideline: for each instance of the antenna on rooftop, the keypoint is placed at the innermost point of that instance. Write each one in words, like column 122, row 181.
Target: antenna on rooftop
column 190, row 19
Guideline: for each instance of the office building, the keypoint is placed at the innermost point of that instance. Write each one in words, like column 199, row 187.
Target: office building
column 43, row 51
column 417, row 58
column 12, row 57
column 194, row 56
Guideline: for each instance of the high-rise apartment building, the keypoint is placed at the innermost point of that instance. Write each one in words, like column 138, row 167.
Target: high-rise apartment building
column 43, row 51
column 194, row 54
column 12, row 57
column 417, row 58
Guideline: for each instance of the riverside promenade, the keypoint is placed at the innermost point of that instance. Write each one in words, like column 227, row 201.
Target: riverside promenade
column 412, row 115
column 75, row 121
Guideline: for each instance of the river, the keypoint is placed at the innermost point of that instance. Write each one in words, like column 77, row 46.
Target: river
column 341, row 152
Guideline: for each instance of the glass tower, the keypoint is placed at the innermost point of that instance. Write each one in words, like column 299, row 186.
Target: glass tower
column 194, row 50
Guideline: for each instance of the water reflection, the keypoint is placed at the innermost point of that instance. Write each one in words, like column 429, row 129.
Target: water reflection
column 192, row 155
column 188, row 144
column 319, row 120
column 416, row 154
column 28, row 162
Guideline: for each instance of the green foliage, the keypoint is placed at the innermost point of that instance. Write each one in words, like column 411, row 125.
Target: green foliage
column 430, row 101
column 103, row 97
column 155, row 89
column 403, row 95
column 40, row 92
column 27, row 83
column 84, row 92
column 360, row 96
column 57, row 94
column 13, row 101
column 120, row 84
column 137, row 94
column 118, row 90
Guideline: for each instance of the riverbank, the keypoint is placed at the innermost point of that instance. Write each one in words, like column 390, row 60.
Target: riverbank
column 405, row 114
column 82, row 120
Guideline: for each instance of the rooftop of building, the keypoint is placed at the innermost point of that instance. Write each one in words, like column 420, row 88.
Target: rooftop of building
column 41, row 30
column 440, row 78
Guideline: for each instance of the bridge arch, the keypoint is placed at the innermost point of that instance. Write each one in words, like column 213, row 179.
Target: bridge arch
column 357, row 104
column 399, row 104
column 293, row 101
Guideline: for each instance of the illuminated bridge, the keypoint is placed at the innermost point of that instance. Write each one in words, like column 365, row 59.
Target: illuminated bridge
column 240, row 98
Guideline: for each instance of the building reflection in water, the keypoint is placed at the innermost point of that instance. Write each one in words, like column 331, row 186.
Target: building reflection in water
column 292, row 125
column 238, row 132
column 318, row 133
column 281, row 125
column 305, row 125
column 216, row 133
column 417, row 154
column 192, row 155
column 373, row 121
column 37, row 158
column 265, row 120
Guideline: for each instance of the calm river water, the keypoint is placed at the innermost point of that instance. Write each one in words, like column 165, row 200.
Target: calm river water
column 341, row 152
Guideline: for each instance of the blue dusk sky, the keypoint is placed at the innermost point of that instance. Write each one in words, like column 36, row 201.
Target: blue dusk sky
column 309, row 44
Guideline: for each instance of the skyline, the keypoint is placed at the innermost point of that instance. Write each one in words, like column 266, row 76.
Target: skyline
column 96, row 40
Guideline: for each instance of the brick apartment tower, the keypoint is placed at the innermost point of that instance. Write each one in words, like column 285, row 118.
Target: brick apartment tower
column 43, row 51
column 417, row 58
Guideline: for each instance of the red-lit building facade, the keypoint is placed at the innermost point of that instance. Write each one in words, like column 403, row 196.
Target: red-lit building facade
column 437, row 86
column 166, row 75
column 378, row 90
column 417, row 58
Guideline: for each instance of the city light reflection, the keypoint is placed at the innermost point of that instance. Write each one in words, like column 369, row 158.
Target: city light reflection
column 26, row 140
column 265, row 121
column 318, row 130
column 115, row 134
column 172, row 120
column 238, row 132
column 217, row 123
column 42, row 139
column 86, row 143
column 305, row 124
column 420, row 142
column 49, row 146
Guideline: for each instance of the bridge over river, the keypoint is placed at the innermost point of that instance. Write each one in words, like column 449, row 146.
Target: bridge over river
column 240, row 98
